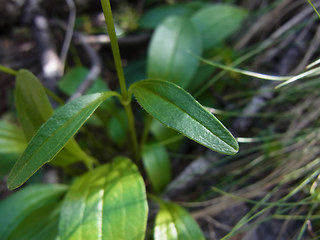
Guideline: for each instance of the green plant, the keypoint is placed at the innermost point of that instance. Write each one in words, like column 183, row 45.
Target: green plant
column 109, row 201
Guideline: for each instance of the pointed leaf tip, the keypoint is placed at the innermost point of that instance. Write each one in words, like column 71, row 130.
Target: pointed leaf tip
column 177, row 109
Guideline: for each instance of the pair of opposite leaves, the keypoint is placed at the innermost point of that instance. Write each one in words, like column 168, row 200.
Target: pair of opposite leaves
column 165, row 101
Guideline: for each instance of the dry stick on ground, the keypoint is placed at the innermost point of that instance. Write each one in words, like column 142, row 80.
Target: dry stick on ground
column 313, row 47
column 265, row 22
column 69, row 33
column 125, row 41
column 281, row 174
column 51, row 64
column 201, row 166
column 94, row 70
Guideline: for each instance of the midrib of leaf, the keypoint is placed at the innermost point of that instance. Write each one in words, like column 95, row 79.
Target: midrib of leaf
column 48, row 139
column 178, row 107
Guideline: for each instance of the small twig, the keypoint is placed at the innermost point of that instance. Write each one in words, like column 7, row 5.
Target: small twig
column 51, row 65
column 292, row 22
column 69, row 33
column 94, row 70
column 189, row 176
column 125, row 41
column 313, row 47
column 264, row 22
column 218, row 224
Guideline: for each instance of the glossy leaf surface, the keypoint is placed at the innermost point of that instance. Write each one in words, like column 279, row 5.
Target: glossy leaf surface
column 169, row 55
column 53, row 135
column 174, row 223
column 34, row 108
column 26, row 207
column 177, row 109
column 157, row 165
column 218, row 22
column 106, row 203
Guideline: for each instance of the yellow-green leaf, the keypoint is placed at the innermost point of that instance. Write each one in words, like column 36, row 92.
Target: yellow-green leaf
column 34, row 108
column 174, row 223
column 53, row 135
column 106, row 203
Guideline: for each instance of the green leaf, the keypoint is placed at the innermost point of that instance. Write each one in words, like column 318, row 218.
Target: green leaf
column 218, row 22
column 73, row 79
column 6, row 163
column 173, row 223
column 34, row 108
column 163, row 134
column 106, row 203
column 169, row 55
column 12, row 139
column 177, row 109
column 20, row 208
column 40, row 224
column 156, row 15
column 201, row 77
column 135, row 71
column 53, row 135
column 118, row 127
column 157, row 165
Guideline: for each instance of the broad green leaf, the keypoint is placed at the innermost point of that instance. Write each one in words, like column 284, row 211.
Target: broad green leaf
column 41, row 224
column 177, row 109
column 53, row 135
column 174, row 223
column 106, row 203
column 12, row 139
column 17, row 209
column 201, row 78
column 169, row 55
column 118, row 127
column 164, row 134
column 74, row 77
column 157, row 165
column 12, row 144
column 156, row 15
column 70, row 83
column 218, row 22
column 34, row 108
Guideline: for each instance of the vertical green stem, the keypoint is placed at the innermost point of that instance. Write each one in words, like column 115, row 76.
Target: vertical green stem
column 132, row 128
column 115, row 47
column 8, row 70
column 117, row 59
column 146, row 130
